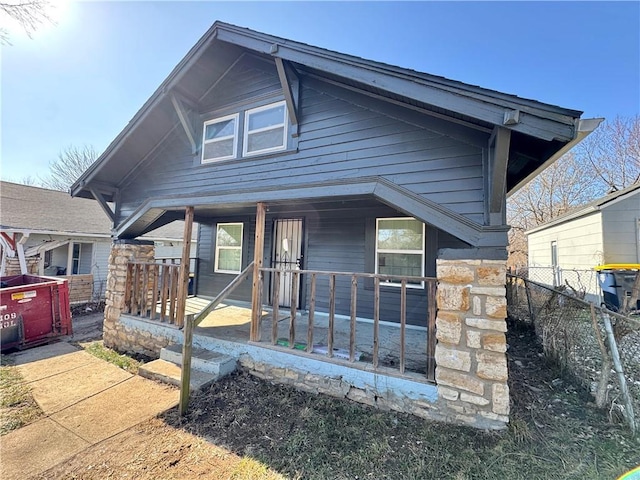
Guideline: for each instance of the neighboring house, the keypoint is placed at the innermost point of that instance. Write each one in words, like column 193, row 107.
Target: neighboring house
column 64, row 236
column 604, row 231
column 316, row 165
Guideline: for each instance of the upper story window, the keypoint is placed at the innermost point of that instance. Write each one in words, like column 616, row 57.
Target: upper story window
column 400, row 248
column 256, row 131
column 220, row 138
column 265, row 129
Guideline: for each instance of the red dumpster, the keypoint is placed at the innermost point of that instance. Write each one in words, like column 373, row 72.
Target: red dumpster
column 33, row 310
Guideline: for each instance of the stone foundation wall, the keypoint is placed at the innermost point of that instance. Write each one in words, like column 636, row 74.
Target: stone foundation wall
column 125, row 338
column 382, row 395
column 471, row 370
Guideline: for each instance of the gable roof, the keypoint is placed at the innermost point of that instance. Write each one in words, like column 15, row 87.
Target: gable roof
column 591, row 207
column 39, row 210
column 540, row 132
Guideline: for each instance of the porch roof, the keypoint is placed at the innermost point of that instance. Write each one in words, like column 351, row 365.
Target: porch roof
column 540, row 132
column 158, row 211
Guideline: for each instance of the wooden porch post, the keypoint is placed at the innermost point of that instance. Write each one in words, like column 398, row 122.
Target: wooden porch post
column 183, row 288
column 256, row 297
column 183, row 282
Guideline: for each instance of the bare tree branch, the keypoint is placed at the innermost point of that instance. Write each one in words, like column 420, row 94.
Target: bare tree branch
column 30, row 14
column 608, row 160
column 613, row 152
column 71, row 163
column 28, row 180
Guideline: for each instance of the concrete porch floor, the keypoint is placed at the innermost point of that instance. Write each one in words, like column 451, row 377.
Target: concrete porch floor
column 231, row 322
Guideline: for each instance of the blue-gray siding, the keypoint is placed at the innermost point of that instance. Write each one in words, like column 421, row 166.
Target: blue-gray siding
column 343, row 135
column 338, row 240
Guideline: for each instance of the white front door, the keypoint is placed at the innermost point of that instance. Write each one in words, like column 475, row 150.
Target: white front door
column 287, row 255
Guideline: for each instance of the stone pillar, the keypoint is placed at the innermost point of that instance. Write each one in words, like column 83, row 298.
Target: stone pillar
column 471, row 370
column 122, row 252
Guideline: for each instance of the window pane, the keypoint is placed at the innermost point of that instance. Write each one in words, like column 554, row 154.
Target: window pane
column 229, row 235
column 229, row 259
column 264, row 140
column 223, row 148
column 220, row 129
column 400, row 234
column 266, row 118
column 407, row 264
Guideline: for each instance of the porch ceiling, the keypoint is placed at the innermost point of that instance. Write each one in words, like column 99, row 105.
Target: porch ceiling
column 290, row 207
column 207, row 213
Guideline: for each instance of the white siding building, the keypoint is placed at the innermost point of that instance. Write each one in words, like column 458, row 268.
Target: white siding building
column 70, row 237
column 603, row 232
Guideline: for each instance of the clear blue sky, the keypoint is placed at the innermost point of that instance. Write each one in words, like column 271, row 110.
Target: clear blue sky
column 81, row 81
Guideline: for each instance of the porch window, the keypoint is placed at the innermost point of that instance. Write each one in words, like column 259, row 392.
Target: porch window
column 228, row 257
column 75, row 259
column 400, row 248
column 219, row 139
column 265, row 129
column 47, row 258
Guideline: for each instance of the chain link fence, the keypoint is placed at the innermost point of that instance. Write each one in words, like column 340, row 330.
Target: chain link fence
column 600, row 348
column 579, row 282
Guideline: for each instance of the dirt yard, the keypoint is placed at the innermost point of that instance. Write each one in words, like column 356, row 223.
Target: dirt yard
column 245, row 428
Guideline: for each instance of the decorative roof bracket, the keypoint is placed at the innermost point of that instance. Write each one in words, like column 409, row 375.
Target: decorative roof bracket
column 289, row 81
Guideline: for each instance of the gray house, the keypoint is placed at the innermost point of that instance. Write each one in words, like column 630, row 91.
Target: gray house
column 349, row 188
column 53, row 234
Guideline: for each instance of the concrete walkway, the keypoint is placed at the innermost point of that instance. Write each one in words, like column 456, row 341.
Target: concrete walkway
column 85, row 400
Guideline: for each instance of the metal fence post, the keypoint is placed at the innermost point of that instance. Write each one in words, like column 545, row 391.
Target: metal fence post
column 617, row 365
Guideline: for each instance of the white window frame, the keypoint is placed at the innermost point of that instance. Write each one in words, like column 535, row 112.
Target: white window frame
column 71, row 259
column 284, row 126
column 218, row 248
column 555, row 264
column 236, row 118
column 411, row 252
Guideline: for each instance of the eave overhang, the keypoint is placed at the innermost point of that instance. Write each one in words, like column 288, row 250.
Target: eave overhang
column 543, row 123
column 584, row 128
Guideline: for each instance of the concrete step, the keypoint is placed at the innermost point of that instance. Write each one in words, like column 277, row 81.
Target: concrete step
column 168, row 372
column 201, row 359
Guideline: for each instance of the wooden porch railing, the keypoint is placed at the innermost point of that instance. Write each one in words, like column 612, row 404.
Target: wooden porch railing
column 355, row 278
column 151, row 291
column 192, row 322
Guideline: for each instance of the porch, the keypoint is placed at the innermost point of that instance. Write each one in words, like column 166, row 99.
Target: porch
column 376, row 344
column 232, row 322
column 369, row 337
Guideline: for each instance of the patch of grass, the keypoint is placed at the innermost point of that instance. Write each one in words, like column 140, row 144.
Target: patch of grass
column 554, row 432
column 97, row 349
column 342, row 440
column 250, row 469
column 17, row 406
